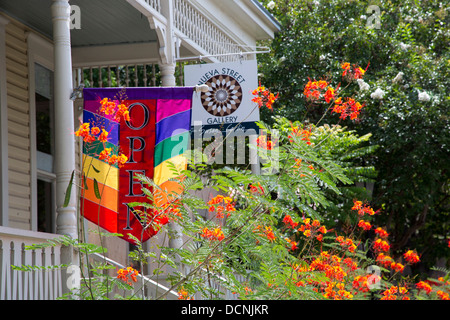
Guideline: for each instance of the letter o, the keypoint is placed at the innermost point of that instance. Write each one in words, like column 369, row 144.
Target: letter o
column 146, row 116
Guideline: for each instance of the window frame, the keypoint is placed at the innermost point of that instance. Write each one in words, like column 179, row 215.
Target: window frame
column 40, row 51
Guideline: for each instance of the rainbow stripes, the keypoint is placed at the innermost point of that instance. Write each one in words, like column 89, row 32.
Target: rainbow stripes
column 156, row 135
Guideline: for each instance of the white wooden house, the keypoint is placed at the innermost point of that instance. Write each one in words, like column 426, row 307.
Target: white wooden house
column 49, row 47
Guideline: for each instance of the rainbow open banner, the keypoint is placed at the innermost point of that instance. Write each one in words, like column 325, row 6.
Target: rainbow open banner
column 154, row 140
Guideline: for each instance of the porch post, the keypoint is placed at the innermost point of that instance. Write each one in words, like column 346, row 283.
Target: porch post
column 66, row 222
column 167, row 51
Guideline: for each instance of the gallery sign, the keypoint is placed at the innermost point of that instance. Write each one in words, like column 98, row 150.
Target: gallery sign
column 227, row 105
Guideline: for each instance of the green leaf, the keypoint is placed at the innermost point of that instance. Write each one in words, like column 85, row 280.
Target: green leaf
column 68, row 191
column 96, row 191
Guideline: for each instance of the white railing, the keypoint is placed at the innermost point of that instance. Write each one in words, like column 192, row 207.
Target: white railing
column 28, row 285
column 129, row 75
column 155, row 4
column 197, row 28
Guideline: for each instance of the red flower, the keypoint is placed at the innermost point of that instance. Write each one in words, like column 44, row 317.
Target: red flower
column 422, row 285
column 364, row 225
column 289, row 222
column 411, row 257
column 381, row 245
column 329, row 95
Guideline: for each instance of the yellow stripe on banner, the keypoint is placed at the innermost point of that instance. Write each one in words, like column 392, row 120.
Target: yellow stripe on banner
column 163, row 172
column 106, row 174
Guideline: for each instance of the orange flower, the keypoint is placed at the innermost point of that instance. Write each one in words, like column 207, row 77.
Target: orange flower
column 264, row 97
column 123, row 274
column 381, row 232
column 83, row 131
column 384, row 260
column 422, row 285
column 103, row 136
column 122, row 159
column 289, row 222
column 443, row 295
column 323, row 229
column 411, row 257
column 183, row 295
column 364, row 225
column 215, row 234
column 95, row 130
column 397, row 266
column 225, row 205
column 357, row 205
column 381, row 245
column 329, row 95
column 104, row 155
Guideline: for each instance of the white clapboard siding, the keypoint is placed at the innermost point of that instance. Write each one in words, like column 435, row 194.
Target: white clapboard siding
column 18, row 126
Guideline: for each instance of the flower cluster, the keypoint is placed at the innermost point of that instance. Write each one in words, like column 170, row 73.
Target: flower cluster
column 362, row 209
column 411, row 256
column 312, row 229
column 97, row 133
column 112, row 159
column 352, row 72
column 213, row 235
column 265, row 231
column 89, row 135
column 317, row 90
column 123, row 274
column 221, row 204
column 116, row 108
column 287, row 220
column 299, row 132
column 263, row 96
column 365, row 225
column 394, row 293
column 350, row 108
column 346, row 243
column 184, row 295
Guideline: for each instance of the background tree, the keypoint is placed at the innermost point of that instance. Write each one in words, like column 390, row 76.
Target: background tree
column 408, row 60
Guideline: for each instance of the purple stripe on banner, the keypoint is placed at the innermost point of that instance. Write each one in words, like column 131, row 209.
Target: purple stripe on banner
column 173, row 125
column 94, row 107
column 110, row 126
column 139, row 93
column 170, row 107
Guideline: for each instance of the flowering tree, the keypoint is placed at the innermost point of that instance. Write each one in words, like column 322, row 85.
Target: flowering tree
column 405, row 95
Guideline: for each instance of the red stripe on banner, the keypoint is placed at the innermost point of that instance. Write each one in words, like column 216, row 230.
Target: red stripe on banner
column 103, row 217
column 137, row 142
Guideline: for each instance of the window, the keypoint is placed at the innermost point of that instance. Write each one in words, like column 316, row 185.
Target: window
column 44, row 148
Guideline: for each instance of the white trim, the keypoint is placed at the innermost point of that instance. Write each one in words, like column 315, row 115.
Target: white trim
column 40, row 51
column 4, row 183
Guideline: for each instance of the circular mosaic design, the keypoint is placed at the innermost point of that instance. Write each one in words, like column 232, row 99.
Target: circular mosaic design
column 223, row 97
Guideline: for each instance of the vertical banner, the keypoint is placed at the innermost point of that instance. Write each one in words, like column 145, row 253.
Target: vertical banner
column 227, row 105
column 153, row 139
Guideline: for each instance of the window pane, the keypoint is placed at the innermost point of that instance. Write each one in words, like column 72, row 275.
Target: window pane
column 45, row 206
column 44, row 109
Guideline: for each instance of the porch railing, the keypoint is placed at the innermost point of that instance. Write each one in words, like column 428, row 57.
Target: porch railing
column 38, row 284
column 127, row 75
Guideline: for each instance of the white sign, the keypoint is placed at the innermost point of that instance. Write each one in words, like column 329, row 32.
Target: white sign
column 228, row 103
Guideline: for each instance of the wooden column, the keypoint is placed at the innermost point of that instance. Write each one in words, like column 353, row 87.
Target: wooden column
column 66, row 222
